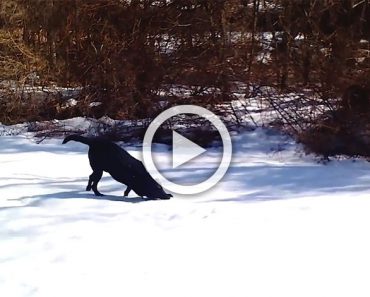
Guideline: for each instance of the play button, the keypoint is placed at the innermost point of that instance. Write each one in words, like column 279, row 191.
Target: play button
column 183, row 150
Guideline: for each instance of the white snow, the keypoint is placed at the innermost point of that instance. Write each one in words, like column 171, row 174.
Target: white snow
column 278, row 224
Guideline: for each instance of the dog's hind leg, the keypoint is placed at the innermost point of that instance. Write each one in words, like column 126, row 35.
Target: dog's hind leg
column 93, row 182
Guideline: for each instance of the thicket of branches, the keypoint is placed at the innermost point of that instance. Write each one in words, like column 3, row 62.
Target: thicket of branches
column 125, row 54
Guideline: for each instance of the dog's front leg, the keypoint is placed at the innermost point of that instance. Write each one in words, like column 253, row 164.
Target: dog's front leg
column 128, row 189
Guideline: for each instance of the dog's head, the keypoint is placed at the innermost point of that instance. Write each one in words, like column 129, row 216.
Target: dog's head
column 157, row 192
column 161, row 194
column 167, row 196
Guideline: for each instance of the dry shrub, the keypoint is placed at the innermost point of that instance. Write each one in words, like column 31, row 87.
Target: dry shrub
column 22, row 105
column 17, row 61
column 344, row 130
column 123, row 52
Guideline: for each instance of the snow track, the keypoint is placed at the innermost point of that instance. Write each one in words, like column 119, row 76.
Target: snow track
column 279, row 224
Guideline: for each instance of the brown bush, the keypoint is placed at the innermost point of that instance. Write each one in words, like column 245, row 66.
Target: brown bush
column 344, row 130
column 123, row 53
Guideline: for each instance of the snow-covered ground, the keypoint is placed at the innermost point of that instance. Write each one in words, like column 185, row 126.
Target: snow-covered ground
column 278, row 224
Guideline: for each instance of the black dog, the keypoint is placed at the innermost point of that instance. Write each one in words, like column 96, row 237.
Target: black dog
column 107, row 156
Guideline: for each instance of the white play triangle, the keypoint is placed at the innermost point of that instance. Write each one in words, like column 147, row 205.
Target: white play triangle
column 183, row 150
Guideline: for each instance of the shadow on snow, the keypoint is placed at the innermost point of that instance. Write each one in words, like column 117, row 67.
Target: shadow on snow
column 242, row 183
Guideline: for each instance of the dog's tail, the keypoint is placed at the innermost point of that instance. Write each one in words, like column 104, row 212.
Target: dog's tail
column 77, row 138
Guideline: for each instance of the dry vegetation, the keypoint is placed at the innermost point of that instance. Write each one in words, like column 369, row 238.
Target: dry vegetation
column 125, row 53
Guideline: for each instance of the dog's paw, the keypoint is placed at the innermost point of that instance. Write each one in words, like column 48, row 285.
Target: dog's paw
column 166, row 198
